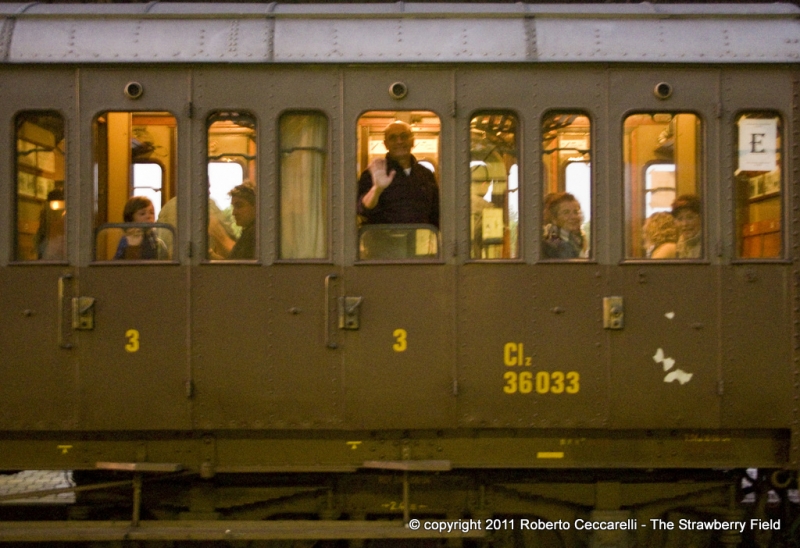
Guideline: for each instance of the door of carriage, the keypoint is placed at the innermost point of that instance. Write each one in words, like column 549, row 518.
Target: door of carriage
column 264, row 356
column 38, row 375
column 665, row 346
column 702, row 320
column 130, row 311
column 530, row 352
column 396, row 319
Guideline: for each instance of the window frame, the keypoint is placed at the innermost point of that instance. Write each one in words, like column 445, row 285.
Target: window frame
column 328, row 181
column 440, row 258
column 785, row 206
column 208, row 121
column 592, row 256
column 701, row 187
column 14, row 190
column 98, row 227
column 520, row 192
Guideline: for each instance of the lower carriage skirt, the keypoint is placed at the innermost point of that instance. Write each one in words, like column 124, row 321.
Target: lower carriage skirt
column 38, row 531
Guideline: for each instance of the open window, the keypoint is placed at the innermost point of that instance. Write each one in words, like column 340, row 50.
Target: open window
column 494, row 186
column 567, row 184
column 398, row 220
column 136, row 186
column 40, row 200
column 759, row 186
column 232, row 186
column 663, row 186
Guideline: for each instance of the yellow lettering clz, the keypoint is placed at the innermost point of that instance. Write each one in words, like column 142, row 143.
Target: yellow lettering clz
column 509, row 351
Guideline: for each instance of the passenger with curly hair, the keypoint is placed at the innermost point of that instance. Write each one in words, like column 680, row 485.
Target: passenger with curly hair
column 687, row 211
column 660, row 236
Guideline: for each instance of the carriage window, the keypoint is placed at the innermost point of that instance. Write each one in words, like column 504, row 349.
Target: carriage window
column 135, row 183
column 494, row 186
column 567, row 184
column 40, row 204
column 663, row 171
column 232, row 190
column 398, row 192
column 759, row 196
column 304, row 186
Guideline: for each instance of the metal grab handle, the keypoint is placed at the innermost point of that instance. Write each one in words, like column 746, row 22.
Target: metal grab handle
column 328, row 340
column 62, row 340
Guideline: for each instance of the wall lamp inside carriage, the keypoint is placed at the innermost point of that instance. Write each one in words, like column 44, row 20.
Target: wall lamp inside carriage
column 133, row 90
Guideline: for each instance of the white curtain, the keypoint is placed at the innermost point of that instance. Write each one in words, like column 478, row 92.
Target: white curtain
column 304, row 186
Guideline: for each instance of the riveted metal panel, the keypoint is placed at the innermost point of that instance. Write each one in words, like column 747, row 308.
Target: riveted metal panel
column 392, row 40
column 401, row 380
column 756, row 347
column 399, row 33
column 686, row 40
column 37, row 379
column 121, row 389
column 140, row 40
column 664, row 367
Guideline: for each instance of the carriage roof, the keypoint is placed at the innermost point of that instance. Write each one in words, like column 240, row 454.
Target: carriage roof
column 161, row 32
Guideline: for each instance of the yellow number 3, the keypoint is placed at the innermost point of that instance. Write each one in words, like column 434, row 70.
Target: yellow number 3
column 402, row 343
column 133, row 340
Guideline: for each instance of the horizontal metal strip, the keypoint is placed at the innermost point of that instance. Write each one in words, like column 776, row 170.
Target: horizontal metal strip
column 75, row 531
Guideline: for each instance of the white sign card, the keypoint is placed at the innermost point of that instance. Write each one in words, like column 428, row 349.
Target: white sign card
column 758, row 144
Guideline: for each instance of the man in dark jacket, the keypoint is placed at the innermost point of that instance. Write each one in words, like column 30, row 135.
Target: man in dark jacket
column 397, row 189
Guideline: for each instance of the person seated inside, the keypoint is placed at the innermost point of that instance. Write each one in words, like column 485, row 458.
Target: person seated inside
column 243, row 205
column 396, row 190
column 563, row 235
column 140, row 243
column 660, row 236
column 687, row 211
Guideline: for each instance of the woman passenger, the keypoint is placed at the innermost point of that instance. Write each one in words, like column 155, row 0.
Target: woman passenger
column 687, row 211
column 660, row 236
column 563, row 236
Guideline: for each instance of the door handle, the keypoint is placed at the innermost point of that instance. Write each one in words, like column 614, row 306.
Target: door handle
column 64, row 339
column 329, row 340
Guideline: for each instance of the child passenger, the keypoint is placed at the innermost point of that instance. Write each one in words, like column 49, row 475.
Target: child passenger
column 140, row 243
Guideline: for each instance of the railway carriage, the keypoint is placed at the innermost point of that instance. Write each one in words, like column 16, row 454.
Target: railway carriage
column 325, row 390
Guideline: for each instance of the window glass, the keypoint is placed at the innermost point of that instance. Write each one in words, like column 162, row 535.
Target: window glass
column 232, row 186
column 147, row 181
column 494, row 186
column 135, row 185
column 40, row 204
column 759, row 186
column 663, row 174
column 304, row 186
column 567, row 184
column 398, row 192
